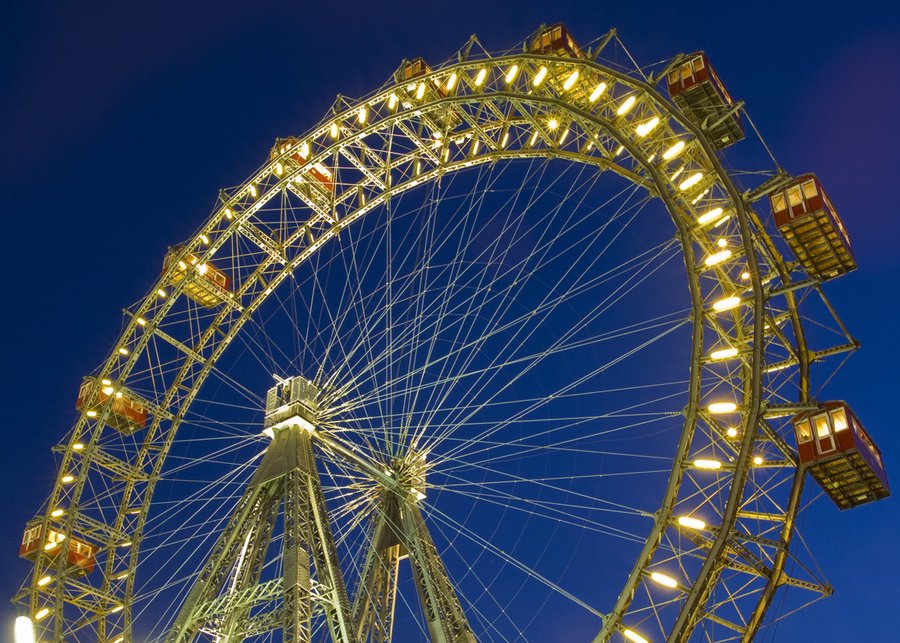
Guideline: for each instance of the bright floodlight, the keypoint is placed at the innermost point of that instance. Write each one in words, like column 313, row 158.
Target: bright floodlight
column 24, row 630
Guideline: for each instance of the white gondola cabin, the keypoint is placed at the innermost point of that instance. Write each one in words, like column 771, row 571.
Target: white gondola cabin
column 839, row 454
column 812, row 228
column 207, row 285
column 696, row 89
column 80, row 558
column 127, row 414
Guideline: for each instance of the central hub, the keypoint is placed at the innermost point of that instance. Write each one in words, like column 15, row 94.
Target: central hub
column 291, row 403
column 409, row 472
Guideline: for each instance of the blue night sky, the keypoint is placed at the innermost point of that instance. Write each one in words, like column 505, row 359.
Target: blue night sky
column 119, row 123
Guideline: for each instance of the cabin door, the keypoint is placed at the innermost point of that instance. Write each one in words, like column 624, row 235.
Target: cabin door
column 824, row 439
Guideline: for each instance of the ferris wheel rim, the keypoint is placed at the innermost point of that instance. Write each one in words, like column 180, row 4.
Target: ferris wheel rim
column 174, row 293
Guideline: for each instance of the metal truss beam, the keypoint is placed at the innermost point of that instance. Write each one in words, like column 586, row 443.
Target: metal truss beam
column 228, row 586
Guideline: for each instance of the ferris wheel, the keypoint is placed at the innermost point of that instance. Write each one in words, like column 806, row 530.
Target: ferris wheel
column 501, row 350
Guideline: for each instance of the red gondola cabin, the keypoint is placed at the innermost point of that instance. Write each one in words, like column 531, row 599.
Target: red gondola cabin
column 555, row 39
column 696, row 89
column 415, row 68
column 322, row 175
column 127, row 414
column 210, row 286
column 840, row 455
column 81, row 557
column 423, row 92
column 812, row 228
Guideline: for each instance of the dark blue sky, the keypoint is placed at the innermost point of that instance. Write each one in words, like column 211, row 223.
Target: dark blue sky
column 119, row 122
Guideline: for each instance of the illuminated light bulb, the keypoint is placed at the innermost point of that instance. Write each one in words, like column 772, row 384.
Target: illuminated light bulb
column 512, row 73
column 392, row 101
column 363, row 114
column 726, row 303
column 334, row 130
column 757, row 460
column 279, row 169
column 78, row 446
column 117, row 608
column 717, row 257
column 663, row 579
column 677, row 174
column 141, row 321
column 475, row 147
column 674, row 151
column 304, row 150
column 123, row 351
column 420, row 91
column 625, row 107
column 205, row 239
column 745, row 275
column 161, row 293
column 619, row 150
column 700, row 196
column 722, row 242
column 597, row 93
column 505, row 140
column 552, row 124
column 712, row 465
column 691, row 523
column 633, row 636
column 127, row 543
column 228, row 213
column 690, row 181
column 651, row 157
column 717, row 408
column 202, row 268
column 451, row 82
column 562, row 139
column 182, row 265
column 56, row 513
column 108, row 390
column 44, row 581
column 540, row 76
column 50, row 546
column 721, row 221
column 480, row 76
column 570, row 81
column 121, row 576
column 723, row 353
column 731, row 432
column 645, row 128
column 66, row 479
column 253, row 191
column 707, row 217
column 91, row 414
column 534, row 138
column 106, row 382
column 23, row 630
column 41, row 613
column 437, row 136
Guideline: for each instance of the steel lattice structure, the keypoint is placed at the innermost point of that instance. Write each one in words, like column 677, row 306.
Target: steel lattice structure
column 721, row 532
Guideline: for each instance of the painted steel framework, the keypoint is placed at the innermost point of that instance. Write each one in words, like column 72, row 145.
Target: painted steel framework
column 729, row 540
